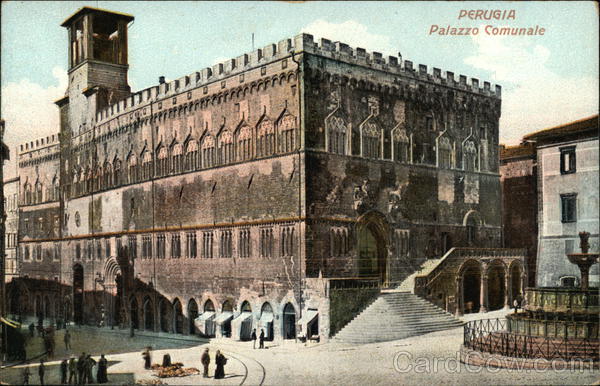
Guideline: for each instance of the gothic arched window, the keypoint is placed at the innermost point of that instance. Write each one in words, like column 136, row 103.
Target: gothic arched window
column 287, row 134
column 265, row 142
column 469, row 156
column 225, row 147
column 337, row 137
column 371, row 141
column 208, row 152
column 444, row 153
column 244, row 143
column 191, row 155
column 176, row 156
column 400, row 145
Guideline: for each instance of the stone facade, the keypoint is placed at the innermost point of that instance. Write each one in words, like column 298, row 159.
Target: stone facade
column 256, row 189
column 518, row 177
column 567, row 162
column 11, row 208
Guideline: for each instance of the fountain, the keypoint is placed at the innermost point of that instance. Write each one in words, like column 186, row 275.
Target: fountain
column 584, row 260
column 558, row 326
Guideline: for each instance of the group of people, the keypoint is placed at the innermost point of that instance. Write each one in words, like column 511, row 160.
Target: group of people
column 79, row 371
column 261, row 339
column 220, row 362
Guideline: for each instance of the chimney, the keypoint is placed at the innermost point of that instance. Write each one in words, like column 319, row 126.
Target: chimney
column 161, row 79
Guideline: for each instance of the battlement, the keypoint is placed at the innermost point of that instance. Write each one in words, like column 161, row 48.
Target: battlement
column 300, row 43
column 39, row 143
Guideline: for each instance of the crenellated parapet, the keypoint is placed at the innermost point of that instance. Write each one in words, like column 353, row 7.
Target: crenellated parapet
column 224, row 71
column 38, row 144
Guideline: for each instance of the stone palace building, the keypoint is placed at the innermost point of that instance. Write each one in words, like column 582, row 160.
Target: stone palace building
column 283, row 189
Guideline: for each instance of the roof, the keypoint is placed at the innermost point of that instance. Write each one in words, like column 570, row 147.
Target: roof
column 523, row 150
column 576, row 129
column 87, row 9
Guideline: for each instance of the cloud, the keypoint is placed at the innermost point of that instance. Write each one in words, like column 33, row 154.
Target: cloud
column 29, row 110
column 534, row 97
column 352, row 33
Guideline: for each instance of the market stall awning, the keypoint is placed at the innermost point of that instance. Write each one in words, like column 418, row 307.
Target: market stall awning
column 308, row 317
column 266, row 317
column 224, row 317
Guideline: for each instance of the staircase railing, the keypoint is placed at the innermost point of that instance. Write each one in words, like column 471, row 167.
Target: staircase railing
column 459, row 254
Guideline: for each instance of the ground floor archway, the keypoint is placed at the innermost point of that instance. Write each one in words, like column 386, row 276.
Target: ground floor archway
column 372, row 234
column 134, row 316
column 289, row 321
column 471, row 283
column 516, row 273
column 496, row 286
column 164, row 316
column 192, row 315
column 148, row 314
column 177, row 317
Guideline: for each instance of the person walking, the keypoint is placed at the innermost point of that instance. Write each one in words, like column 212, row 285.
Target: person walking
column 41, row 371
column 147, row 358
column 205, row 360
column 31, row 329
column 89, row 367
column 72, row 371
column 220, row 361
column 254, row 338
column 80, row 369
column 261, row 339
column 63, row 371
column 101, row 375
column 26, row 373
column 67, row 339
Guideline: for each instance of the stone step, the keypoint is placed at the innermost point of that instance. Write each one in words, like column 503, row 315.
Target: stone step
column 396, row 315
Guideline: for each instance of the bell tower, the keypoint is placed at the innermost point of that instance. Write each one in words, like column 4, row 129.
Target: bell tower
column 97, row 66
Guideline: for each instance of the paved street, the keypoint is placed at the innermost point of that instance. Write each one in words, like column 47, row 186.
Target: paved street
column 427, row 359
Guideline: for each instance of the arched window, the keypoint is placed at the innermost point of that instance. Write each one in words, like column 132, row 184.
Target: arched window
column 225, row 147
column 146, row 165
column 287, row 133
column 469, row 156
column 27, row 192
column 244, row 143
column 176, row 155
column 208, row 152
column 107, row 174
column 117, row 172
column 132, row 168
column 55, row 189
column 444, row 153
column 265, row 142
column 191, row 155
column 162, row 161
column 371, row 141
column 400, row 145
column 38, row 192
column 337, row 136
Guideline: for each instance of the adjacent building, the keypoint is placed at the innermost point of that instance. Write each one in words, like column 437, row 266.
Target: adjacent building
column 278, row 190
column 567, row 186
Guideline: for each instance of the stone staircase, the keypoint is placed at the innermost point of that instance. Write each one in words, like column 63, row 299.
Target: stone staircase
column 408, row 284
column 395, row 315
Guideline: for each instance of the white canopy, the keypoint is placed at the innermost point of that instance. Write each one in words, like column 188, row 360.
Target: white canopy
column 200, row 321
column 224, row 317
column 308, row 317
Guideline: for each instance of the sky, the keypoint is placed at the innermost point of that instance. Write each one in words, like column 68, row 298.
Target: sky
column 546, row 80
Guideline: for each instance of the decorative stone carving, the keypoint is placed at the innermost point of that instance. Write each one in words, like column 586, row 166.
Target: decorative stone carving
column 362, row 198
column 395, row 199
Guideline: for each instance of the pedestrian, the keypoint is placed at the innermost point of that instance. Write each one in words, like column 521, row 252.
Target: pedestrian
column 261, row 339
column 89, row 367
column 80, row 369
column 254, row 338
column 63, row 371
column 67, row 340
column 220, row 361
column 26, row 373
column 101, row 375
column 31, row 329
column 72, row 371
column 147, row 358
column 205, row 360
column 516, row 305
column 41, row 371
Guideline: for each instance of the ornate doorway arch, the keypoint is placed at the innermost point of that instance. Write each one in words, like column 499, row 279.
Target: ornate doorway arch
column 372, row 232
